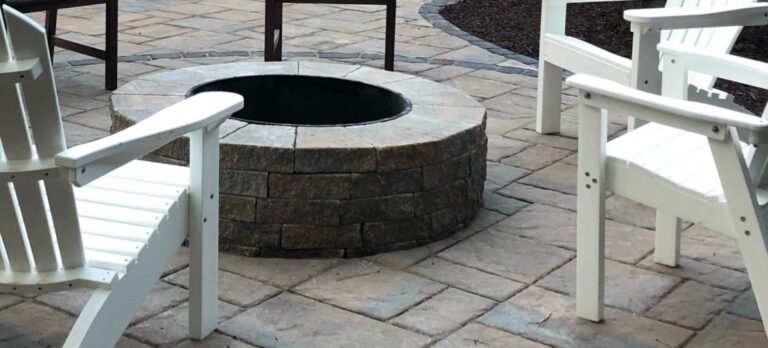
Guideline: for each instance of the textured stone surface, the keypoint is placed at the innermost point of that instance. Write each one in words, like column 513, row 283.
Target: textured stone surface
column 233, row 288
column 377, row 209
column 321, row 237
column 646, row 287
column 701, row 272
column 483, row 336
column 309, row 186
column 691, row 305
column 172, row 325
column 507, row 256
column 445, row 312
column 370, row 289
column 550, row 318
column 731, row 331
column 386, row 183
column 295, row 321
column 467, row 279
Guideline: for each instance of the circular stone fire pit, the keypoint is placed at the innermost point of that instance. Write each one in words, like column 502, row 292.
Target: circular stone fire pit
column 329, row 159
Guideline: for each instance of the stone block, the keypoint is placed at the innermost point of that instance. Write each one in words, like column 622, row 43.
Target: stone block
column 389, row 232
column 309, row 186
column 244, row 183
column 442, row 197
column 321, row 237
column 386, row 183
column 447, row 172
column 377, row 209
column 293, row 211
column 332, row 150
column 239, row 208
column 238, row 234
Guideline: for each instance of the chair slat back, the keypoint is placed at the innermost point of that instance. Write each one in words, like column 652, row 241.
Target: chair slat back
column 720, row 39
column 40, row 230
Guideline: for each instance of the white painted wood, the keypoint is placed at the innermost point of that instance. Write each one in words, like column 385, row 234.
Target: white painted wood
column 117, row 234
column 204, row 232
column 667, row 239
column 711, row 25
column 590, row 224
column 677, row 166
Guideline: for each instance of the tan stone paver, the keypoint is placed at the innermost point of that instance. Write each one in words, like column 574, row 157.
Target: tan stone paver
column 505, row 281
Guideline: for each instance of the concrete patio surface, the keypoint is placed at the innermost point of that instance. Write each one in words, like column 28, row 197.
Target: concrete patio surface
column 506, row 281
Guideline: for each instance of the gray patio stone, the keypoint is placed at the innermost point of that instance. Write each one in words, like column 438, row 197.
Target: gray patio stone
column 172, row 325
column 513, row 104
column 479, row 87
column 536, row 157
column 623, row 210
column 325, row 69
column 467, row 279
column 550, row 318
column 559, row 177
column 443, row 313
column 731, row 331
column 293, row 321
column 445, row 72
column 498, row 124
column 746, row 306
column 32, row 325
column 502, row 204
column 530, row 136
column 709, row 246
column 626, row 287
column 508, row 256
column 500, row 175
column 701, row 272
column 474, row 334
column 500, row 147
column 214, row 340
column 691, row 305
column 233, row 288
column 557, row 227
column 370, row 289
column 283, row 273
column 539, row 195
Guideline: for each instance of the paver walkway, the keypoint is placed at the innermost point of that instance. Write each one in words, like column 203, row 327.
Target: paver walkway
column 506, row 281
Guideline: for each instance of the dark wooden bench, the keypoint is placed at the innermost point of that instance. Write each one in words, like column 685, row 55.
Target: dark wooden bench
column 273, row 42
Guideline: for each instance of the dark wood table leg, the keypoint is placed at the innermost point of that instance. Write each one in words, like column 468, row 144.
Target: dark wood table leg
column 50, row 28
column 389, row 48
column 273, row 31
column 111, row 46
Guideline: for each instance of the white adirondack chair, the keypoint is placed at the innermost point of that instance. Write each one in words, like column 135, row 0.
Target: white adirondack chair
column 694, row 160
column 710, row 25
column 117, row 233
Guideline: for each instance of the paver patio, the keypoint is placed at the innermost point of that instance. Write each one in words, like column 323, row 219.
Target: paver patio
column 505, row 281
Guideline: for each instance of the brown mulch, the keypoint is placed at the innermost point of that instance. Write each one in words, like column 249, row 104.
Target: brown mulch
column 514, row 25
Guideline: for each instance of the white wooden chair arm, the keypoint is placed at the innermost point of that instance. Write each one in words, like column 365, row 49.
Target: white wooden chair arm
column 88, row 162
column 701, row 17
column 722, row 65
column 707, row 120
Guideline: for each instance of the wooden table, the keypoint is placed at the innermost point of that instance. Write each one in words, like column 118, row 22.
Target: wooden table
column 273, row 43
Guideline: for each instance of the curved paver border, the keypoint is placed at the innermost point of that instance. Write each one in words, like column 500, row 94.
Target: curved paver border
column 348, row 190
column 431, row 12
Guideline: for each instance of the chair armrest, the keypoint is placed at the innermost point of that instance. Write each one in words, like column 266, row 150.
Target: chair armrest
column 90, row 161
column 691, row 116
column 721, row 65
column 698, row 17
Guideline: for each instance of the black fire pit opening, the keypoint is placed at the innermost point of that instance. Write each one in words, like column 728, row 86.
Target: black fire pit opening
column 309, row 100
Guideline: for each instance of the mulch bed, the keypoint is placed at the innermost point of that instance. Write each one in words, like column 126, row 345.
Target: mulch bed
column 514, row 25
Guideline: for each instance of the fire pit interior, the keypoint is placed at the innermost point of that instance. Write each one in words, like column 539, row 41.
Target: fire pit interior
column 309, row 100
column 329, row 160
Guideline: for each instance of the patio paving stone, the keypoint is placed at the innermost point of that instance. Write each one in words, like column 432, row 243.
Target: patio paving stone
column 509, row 256
column 557, row 227
column 539, row 195
column 501, row 204
column 214, row 340
column 701, row 272
column 626, row 287
column 468, row 279
column 483, row 336
column 692, row 305
column 283, row 273
column 290, row 320
column 500, row 147
column 705, row 245
column 370, row 289
column 499, row 175
column 559, row 177
column 536, row 157
column 233, row 288
column 172, row 325
column 550, row 318
column 731, row 331
column 745, row 306
column 444, row 312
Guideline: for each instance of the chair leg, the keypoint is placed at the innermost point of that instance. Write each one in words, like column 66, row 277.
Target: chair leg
column 50, row 28
column 590, row 222
column 105, row 316
column 549, row 98
column 111, row 46
column 667, row 239
column 389, row 50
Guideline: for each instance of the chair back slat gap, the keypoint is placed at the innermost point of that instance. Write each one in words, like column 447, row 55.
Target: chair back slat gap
column 12, row 233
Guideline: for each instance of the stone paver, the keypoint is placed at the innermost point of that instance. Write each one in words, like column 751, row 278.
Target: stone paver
column 370, row 289
column 294, row 321
column 521, row 242
column 443, row 313
column 626, row 287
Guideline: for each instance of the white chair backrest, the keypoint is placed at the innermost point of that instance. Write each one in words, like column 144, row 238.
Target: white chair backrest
column 39, row 228
column 720, row 39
